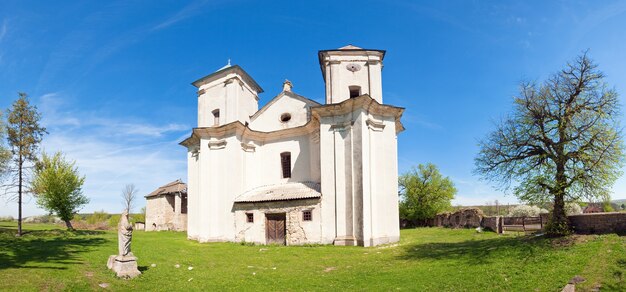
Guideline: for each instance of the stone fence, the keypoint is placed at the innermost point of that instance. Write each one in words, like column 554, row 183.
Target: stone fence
column 597, row 223
column 593, row 223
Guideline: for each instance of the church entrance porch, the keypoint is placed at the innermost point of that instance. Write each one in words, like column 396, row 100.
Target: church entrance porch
column 275, row 228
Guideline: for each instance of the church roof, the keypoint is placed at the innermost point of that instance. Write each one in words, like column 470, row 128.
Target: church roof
column 176, row 186
column 226, row 70
column 281, row 192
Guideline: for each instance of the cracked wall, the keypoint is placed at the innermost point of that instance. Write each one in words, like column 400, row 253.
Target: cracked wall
column 297, row 230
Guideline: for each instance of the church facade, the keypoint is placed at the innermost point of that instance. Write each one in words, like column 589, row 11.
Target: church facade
column 296, row 171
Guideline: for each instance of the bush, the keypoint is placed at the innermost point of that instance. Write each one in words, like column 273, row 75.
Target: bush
column 114, row 220
column 607, row 207
column 558, row 228
column 524, row 211
column 6, row 219
column 97, row 217
column 572, row 208
column 42, row 219
column 134, row 218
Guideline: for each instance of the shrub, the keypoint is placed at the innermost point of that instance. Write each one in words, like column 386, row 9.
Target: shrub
column 607, row 207
column 97, row 217
column 114, row 220
column 557, row 228
column 6, row 219
column 524, row 211
column 572, row 208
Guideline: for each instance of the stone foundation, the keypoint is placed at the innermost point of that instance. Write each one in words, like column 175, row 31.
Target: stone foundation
column 124, row 266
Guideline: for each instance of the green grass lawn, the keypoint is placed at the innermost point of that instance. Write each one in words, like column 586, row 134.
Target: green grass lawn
column 426, row 259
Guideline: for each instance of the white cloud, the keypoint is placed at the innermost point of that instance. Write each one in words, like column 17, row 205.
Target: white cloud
column 184, row 13
column 110, row 152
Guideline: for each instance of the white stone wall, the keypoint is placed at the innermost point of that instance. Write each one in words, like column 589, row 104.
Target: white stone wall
column 359, row 179
column 235, row 99
column 339, row 78
column 193, row 194
column 270, row 119
column 297, row 230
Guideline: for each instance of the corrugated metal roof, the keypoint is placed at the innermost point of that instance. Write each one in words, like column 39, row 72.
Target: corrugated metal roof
column 281, row 192
column 176, row 186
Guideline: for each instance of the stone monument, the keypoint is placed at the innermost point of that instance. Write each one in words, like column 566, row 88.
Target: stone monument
column 124, row 264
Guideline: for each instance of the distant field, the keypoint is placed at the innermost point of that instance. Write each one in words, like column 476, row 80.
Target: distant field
column 426, row 259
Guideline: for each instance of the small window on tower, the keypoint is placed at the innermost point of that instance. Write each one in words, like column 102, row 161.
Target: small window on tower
column 285, row 162
column 216, row 117
column 355, row 91
column 250, row 217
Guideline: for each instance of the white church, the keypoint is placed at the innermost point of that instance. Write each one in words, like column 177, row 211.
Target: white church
column 296, row 171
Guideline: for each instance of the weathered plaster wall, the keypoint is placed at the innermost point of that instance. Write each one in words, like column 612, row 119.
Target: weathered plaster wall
column 163, row 213
column 297, row 230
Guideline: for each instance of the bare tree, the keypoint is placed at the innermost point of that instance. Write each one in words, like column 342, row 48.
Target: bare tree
column 562, row 142
column 129, row 196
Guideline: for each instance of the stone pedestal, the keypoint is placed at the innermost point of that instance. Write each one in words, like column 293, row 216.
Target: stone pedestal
column 124, row 266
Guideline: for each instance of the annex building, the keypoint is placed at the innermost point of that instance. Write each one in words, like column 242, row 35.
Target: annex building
column 296, row 171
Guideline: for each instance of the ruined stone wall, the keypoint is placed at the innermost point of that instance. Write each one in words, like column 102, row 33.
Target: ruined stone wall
column 297, row 231
column 160, row 215
column 462, row 218
column 598, row 223
column 492, row 223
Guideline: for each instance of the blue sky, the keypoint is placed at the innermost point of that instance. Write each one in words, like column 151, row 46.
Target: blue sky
column 112, row 78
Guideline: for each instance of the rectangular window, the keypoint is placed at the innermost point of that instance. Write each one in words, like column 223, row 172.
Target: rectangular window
column 355, row 91
column 285, row 161
column 250, row 217
column 307, row 215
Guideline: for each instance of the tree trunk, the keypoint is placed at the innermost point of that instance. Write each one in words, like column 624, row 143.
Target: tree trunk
column 559, row 224
column 558, row 214
column 19, row 197
column 68, row 224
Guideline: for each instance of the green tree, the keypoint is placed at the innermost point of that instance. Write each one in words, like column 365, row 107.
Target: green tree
column 5, row 153
column 562, row 141
column 24, row 135
column 58, row 187
column 424, row 192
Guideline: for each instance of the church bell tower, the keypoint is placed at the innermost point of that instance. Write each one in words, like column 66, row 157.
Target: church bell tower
column 350, row 72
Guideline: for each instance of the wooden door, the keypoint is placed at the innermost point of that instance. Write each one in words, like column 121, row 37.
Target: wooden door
column 275, row 228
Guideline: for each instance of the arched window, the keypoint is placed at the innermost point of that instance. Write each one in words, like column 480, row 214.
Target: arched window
column 285, row 162
column 216, row 117
column 355, row 91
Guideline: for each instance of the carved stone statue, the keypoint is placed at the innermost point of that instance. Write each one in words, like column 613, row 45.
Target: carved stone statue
column 124, row 235
column 124, row 264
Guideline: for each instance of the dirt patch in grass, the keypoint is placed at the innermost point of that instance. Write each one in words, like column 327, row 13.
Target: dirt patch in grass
column 571, row 240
